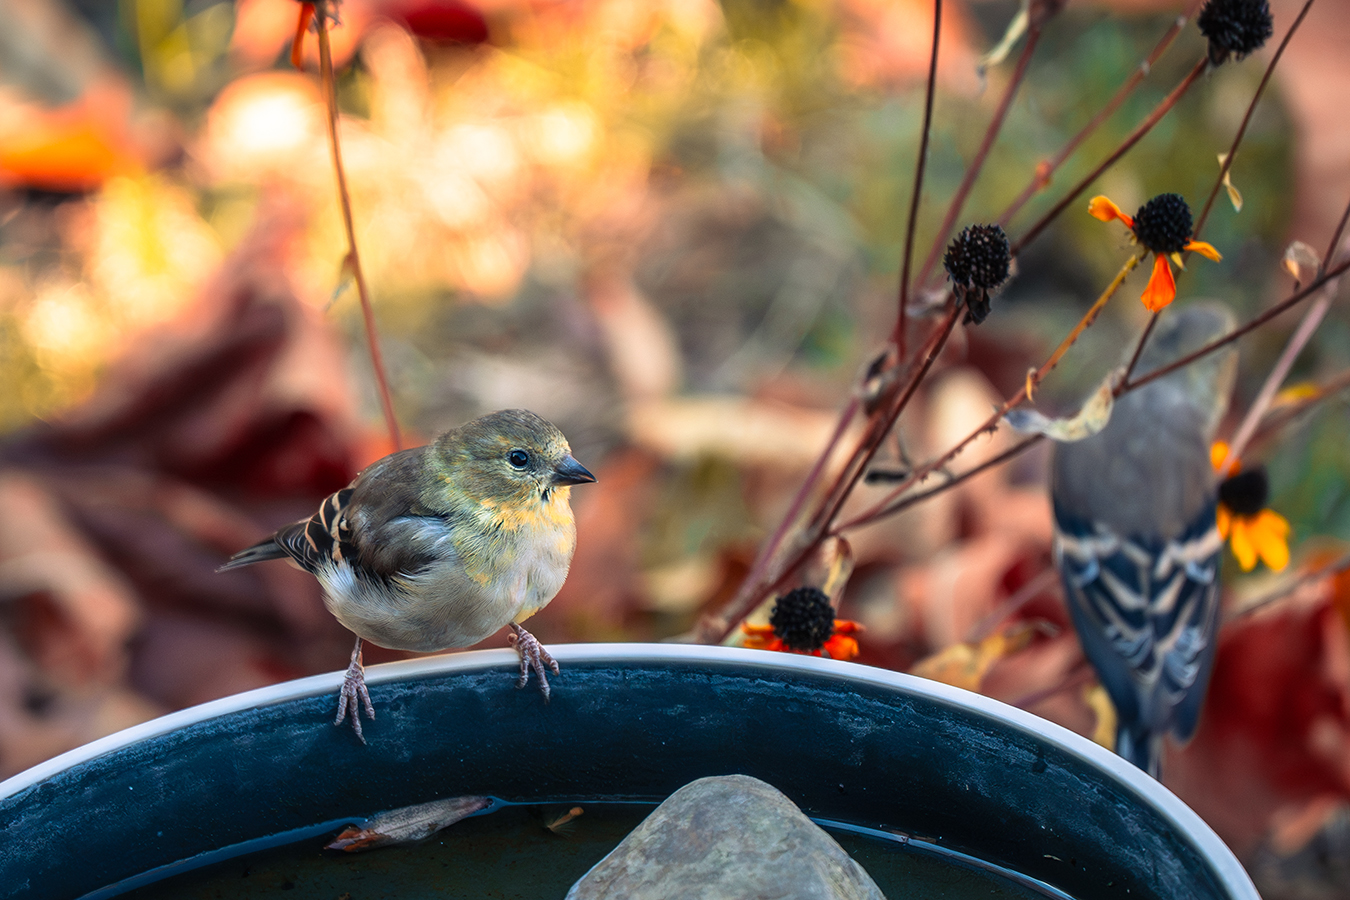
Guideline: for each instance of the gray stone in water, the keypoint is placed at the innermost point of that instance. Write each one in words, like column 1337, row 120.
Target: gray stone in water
column 732, row 837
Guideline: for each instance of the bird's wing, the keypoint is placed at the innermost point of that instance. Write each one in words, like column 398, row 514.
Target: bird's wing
column 1146, row 614
column 322, row 539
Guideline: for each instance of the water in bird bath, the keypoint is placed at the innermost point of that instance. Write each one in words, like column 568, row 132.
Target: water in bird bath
column 512, row 854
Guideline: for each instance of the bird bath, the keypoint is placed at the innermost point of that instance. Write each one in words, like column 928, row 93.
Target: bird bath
column 931, row 770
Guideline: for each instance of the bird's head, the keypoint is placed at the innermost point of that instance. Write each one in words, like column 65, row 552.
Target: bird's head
column 511, row 456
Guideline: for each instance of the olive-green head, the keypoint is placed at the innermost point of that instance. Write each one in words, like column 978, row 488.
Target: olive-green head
column 510, row 455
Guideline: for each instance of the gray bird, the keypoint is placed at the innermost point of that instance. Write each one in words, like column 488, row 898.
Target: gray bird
column 1135, row 537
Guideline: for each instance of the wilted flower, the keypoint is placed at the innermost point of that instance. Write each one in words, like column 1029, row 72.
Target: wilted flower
column 977, row 262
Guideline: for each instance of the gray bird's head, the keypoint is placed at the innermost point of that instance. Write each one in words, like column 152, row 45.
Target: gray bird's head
column 1147, row 473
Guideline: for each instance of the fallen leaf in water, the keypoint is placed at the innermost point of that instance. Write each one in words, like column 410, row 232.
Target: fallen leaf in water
column 407, row 824
column 564, row 823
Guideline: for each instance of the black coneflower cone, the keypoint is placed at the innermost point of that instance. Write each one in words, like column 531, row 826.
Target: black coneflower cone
column 803, row 619
column 977, row 262
column 1246, row 493
column 1163, row 224
column 1235, row 27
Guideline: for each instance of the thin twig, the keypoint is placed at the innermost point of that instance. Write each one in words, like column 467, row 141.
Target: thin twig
column 1218, row 182
column 1275, row 379
column 1144, row 127
column 1080, row 675
column 1311, row 320
column 1046, row 169
column 1021, row 597
column 901, row 319
column 1333, row 246
column 904, row 503
column 353, row 258
column 779, row 566
column 958, row 200
column 886, row 505
column 1287, row 412
column 713, row 629
column 890, row 506
column 1246, row 119
column 1335, row 566
column 1281, row 307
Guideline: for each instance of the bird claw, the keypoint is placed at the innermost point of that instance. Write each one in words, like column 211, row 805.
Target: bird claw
column 354, row 688
column 532, row 656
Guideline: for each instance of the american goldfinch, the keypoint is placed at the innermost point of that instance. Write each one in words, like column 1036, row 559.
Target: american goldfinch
column 1135, row 537
column 440, row 546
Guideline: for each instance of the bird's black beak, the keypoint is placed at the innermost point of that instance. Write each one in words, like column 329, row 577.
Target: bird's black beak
column 569, row 471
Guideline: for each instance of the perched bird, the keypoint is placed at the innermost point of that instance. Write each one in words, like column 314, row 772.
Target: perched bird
column 1135, row 537
column 439, row 546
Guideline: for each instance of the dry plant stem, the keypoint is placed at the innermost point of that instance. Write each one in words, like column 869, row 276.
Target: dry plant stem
column 1218, row 181
column 1246, row 119
column 1283, row 306
column 906, row 502
column 1287, row 413
column 890, row 508
column 977, row 163
column 775, row 563
column 888, row 505
column 883, row 425
column 713, row 629
column 1079, row 676
column 1336, row 566
column 901, row 318
column 1335, row 241
column 1088, row 318
column 1163, row 107
column 1278, row 373
column 344, row 198
column 1046, row 170
column 1023, row 595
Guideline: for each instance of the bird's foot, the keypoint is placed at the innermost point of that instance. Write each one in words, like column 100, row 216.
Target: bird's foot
column 532, row 656
column 354, row 689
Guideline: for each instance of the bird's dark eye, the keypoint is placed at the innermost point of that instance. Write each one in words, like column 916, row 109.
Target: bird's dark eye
column 518, row 458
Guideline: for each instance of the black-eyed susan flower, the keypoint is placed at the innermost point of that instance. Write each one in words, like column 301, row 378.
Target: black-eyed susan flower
column 1163, row 227
column 803, row 621
column 1235, row 27
column 977, row 261
column 1252, row 530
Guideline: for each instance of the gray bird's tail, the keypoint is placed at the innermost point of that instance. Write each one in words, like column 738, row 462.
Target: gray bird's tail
column 259, row 552
column 1141, row 747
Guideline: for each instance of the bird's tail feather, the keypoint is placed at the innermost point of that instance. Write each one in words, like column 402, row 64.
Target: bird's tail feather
column 259, row 552
column 1141, row 747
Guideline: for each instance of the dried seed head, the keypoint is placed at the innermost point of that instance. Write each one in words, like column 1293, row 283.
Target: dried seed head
column 1235, row 27
column 803, row 619
column 977, row 262
column 1163, row 224
column 1246, row 493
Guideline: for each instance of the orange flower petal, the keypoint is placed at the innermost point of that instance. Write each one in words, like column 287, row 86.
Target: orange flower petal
column 841, row 647
column 1244, row 547
column 1218, row 455
column 1102, row 208
column 1224, row 520
column 1162, row 287
column 1270, row 534
column 1205, row 250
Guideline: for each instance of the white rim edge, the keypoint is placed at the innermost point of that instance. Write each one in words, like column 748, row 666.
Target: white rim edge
column 1226, row 865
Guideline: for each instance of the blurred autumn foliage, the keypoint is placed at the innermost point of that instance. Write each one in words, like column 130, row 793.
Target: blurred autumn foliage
column 672, row 228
